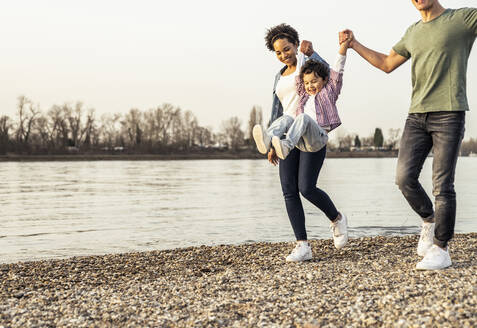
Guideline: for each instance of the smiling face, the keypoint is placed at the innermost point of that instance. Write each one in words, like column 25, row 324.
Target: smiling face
column 424, row 4
column 313, row 83
column 285, row 51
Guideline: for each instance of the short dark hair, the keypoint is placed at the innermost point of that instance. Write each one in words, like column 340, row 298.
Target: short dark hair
column 282, row 31
column 314, row 66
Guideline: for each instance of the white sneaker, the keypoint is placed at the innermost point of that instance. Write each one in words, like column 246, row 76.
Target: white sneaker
column 340, row 231
column 281, row 150
column 426, row 240
column 301, row 252
column 262, row 141
column 436, row 258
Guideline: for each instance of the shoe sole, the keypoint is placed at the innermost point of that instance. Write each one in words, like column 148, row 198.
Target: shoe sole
column 431, row 267
column 346, row 243
column 257, row 134
column 278, row 147
column 306, row 259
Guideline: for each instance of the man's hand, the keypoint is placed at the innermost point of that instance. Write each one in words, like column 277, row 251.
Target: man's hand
column 386, row 63
column 306, row 48
column 346, row 36
column 272, row 157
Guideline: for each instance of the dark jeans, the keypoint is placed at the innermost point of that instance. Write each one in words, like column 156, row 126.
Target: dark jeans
column 444, row 131
column 298, row 174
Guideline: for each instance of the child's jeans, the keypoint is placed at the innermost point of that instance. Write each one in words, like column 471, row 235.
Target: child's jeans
column 302, row 132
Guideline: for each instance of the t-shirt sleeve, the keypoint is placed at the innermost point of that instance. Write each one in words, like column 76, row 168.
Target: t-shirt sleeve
column 470, row 19
column 402, row 46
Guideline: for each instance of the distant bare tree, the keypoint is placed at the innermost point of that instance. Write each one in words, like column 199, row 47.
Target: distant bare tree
column 256, row 117
column 27, row 113
column 231, row 128
column 204, row 136
column 190, row 126
column 132, row 126
column 367, row 141
column 109, row 129
column 167, row 116
column 5, row 127
column 345, row 142
column 393, row 138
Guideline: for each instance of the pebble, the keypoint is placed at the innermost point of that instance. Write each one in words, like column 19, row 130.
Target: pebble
column 370, row 283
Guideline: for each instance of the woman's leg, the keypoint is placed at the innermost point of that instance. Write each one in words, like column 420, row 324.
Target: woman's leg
column 309, row 168
column 288, row 169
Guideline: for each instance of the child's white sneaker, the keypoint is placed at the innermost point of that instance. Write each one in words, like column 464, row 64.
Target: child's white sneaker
column 261, row 140
column 426, row 240
column 339, row 228
column 280, row 148
column 435, row 259
column 301, row 252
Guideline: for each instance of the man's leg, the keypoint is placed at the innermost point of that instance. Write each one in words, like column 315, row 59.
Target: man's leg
column 447, row 130
column 416, row 144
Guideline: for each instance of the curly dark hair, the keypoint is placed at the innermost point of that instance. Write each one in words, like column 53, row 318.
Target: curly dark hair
column 282, row 31
column 314, row 66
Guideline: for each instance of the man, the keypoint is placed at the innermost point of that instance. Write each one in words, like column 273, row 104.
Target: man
column 439, row 46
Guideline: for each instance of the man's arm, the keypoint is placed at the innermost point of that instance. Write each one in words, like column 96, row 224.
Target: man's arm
column 386, row 63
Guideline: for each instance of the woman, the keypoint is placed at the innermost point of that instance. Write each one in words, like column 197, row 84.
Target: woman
column 299, row 171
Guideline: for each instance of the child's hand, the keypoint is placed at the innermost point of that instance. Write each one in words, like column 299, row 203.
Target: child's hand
column 346, row 37
column 306, row 48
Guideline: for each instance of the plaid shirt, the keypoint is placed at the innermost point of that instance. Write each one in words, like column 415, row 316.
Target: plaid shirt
column 325, row 100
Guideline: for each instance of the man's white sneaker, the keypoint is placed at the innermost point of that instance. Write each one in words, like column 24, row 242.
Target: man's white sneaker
column 436, row 258
column 301, row 252
column 426, row 240
column 339, row 229
column 262, row 141
column 280, row 148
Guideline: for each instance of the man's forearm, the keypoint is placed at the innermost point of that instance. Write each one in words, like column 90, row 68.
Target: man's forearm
column 375, row 58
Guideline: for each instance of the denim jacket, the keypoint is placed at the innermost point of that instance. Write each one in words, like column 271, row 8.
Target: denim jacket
column 277, row 108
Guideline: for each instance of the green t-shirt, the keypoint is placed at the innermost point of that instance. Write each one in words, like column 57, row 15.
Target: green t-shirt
column 440, row 50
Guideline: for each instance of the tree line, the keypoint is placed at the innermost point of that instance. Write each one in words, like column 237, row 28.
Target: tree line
column 70, row 128
column 166, row 129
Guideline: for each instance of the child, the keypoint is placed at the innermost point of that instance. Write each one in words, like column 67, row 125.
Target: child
column 318, row 88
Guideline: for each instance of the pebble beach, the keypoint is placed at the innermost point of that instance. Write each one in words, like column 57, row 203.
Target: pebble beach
column 370, row 283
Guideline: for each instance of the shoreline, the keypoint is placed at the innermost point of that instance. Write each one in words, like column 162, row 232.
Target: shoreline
column 170, row 157
column 371, row 282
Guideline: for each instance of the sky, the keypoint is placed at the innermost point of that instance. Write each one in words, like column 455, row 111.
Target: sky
column 206, row 56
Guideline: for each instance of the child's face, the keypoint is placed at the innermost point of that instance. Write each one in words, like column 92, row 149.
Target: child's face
column 313, row 83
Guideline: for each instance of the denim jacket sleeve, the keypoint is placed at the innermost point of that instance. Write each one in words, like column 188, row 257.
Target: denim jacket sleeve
column 317, row 57
column 277, row 108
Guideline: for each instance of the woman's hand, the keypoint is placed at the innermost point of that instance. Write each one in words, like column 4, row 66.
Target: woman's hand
column 272, row 157
column 307, row 48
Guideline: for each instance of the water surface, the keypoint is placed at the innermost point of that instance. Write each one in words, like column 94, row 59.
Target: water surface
column 63, row 209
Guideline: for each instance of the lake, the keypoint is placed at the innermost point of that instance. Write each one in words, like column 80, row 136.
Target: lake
column 63, row 209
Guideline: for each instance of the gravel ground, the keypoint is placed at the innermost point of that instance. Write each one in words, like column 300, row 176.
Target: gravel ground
column 372, row 282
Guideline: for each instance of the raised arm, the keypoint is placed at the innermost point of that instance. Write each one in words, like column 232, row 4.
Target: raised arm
column 386, row 63
column 306, row 48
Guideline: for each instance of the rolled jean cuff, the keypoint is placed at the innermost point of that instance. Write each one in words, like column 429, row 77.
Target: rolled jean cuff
column 440, row 243
column 429, row 219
